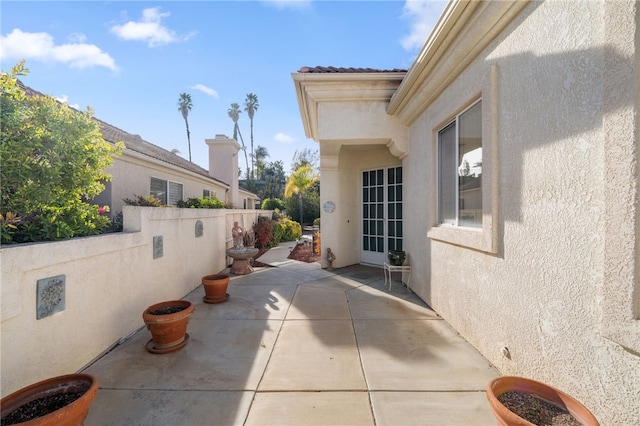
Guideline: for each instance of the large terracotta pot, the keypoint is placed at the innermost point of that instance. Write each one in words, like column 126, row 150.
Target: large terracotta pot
column 215, row 288
column 167, row 322
column 71, row 414
column 506, row 417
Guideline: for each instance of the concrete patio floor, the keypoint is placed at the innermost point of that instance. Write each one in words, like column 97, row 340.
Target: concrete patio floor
column 298, row 345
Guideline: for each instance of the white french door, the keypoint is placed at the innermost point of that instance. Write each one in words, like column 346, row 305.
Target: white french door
column 381, row 214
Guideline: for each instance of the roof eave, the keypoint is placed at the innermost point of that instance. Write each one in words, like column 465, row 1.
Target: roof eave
column 313, row 88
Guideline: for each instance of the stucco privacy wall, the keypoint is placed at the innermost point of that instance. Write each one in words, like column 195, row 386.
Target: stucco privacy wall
column 110, row 280
column 544, row 293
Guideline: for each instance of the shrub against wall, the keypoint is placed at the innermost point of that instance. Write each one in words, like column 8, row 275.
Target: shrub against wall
column 201, row 203
column 143, row 201
column 269, row 233
column 53, row 161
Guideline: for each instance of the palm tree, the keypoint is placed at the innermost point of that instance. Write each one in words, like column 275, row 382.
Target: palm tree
column 234, row 113
column 299, row 182
column 251, row 106
column 261, row 154
column 184, row 106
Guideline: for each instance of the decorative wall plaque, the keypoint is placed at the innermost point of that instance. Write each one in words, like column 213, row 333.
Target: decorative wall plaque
column 50, row 296
column 157, row 247
column 329, row 206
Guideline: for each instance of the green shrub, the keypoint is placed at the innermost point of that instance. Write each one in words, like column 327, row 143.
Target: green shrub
column 292, row 230
column 53, row 162
column 316, row 222
column 272, row 204
column 143, row 201
column 278, row 233
column 201, row 203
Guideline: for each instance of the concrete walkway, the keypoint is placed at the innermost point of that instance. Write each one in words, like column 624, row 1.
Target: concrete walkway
column 298, row 345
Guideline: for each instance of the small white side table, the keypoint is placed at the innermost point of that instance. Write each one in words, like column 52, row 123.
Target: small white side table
column 404, row 269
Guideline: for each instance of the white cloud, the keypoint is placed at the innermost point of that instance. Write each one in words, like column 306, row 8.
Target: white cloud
column 284, row 138
column 423, row 16
column 288, row 4
column 65, row 100
column 209, row 91
column 40, row 47
column 149, row 29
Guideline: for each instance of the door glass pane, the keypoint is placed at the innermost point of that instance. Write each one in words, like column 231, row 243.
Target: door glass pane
column 391, row 210
column 365, row 178
column 398, row 174
column 380, row 177
column 391, row 194
column 391, row 176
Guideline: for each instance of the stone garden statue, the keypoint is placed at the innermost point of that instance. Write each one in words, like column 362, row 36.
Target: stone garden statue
column 249, row 238
column 238, row 236
column 330, row 258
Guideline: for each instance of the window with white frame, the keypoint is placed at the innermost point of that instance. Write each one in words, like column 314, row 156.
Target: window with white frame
column 460, row 170
column 166, row 191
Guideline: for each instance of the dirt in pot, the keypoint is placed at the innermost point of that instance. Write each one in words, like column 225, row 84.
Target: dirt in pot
column 168, row 310
column 40, row 407
column 537, row 410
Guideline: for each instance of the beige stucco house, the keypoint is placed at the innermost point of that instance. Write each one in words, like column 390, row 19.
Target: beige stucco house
column 145, row 168
column 505, row 163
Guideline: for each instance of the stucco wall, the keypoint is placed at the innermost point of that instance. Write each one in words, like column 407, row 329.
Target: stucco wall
column 541, row 294
column 110, row 280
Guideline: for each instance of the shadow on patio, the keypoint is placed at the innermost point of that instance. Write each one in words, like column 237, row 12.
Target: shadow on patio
column 295, row 344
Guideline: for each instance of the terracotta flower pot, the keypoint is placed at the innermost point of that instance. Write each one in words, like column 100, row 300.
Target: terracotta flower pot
column 71, row 414
column 215, row 288
column 167, row 322
column 506, row 417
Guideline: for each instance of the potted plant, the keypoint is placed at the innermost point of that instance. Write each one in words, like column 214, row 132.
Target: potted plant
column 215, row 288
column 167, row 322
column 59, row 401
column 525, row 402
column 396, row 257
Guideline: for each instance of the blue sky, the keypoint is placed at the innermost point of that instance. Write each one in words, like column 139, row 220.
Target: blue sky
column 130, row 60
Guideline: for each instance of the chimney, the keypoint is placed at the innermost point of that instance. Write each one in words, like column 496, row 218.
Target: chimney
column 223, row 164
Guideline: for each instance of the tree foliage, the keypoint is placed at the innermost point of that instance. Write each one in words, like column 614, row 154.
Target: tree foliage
column 251, row 105
column 298, row 184
column 184, row 106
column 274, row 180
column 306, row 157
column 234, row 114
column 53, row 161
column 310, row 205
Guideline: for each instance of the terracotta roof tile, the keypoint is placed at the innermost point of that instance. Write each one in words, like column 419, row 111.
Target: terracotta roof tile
column 318, row 69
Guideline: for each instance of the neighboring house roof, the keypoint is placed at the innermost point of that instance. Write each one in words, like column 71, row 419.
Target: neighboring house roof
column 135, row 143
column 319, row 69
